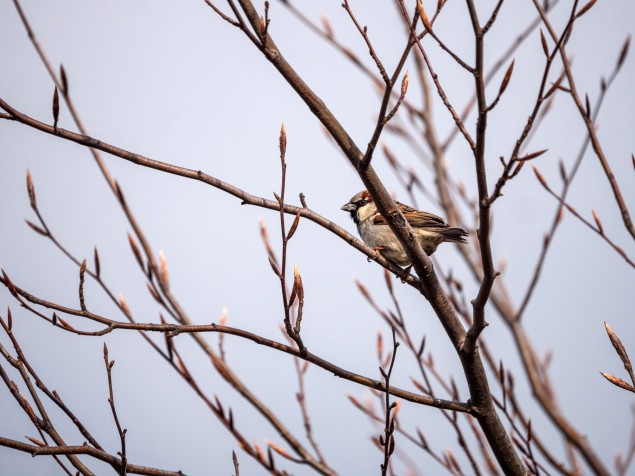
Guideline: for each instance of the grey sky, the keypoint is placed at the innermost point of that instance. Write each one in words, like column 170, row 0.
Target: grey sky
column 170, row 80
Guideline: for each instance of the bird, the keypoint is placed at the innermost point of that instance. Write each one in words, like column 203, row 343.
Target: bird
column 430, row 230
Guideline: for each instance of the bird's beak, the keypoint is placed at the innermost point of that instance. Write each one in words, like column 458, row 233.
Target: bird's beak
column 349, row 207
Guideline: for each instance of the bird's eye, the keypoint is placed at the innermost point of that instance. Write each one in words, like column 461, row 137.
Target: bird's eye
column 362, row 202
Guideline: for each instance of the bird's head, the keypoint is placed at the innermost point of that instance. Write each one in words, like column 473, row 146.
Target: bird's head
column 360, row 207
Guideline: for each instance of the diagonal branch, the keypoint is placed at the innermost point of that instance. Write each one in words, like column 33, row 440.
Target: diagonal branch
column 588, row 122
column 173, row 330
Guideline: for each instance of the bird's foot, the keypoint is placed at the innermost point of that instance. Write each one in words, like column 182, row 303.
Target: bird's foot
column 377, row 250
column 406, row 274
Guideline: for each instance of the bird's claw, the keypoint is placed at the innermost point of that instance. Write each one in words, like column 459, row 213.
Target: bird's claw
column 377, row 254
column 406, row 274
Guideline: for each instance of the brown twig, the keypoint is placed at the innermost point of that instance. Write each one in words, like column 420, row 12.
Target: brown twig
column 437, row 83
column 605, row 86
column 387, row 441
column 498, row 64
column 287, row 301
column 111, row 401
column 588, row 122
column 371, row 50
column 44, row 423
column 384, row 116
column 175, row 329
column 483, row 232
column 574, row 212
column 623, row 355
column 513, row 165
column 246, row 198
column 36, row 450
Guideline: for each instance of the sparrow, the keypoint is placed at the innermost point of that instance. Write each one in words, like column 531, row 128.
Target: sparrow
column 429, row 229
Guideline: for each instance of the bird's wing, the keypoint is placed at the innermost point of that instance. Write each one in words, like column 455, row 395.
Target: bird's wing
column 416, row 218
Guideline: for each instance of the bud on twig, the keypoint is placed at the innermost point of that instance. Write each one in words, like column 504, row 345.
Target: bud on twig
column 294, row 226
column 36, row 228
column 617, row 381
column 274, row 266
column 585, row 8
column 30, row 189
column 124, row 305
column 404, row 84
column 235, row 460
column 9, row 284
column 262, row 27
column 65, row 324
column 601, row 230
column 563, row 172
column 533, row 155
column 540, row 177
column 452, row 460
column 283, row 141
column 153, row 293
column 623, row 53
column 135, row 250
column 165, row 277
column 82, row 271
column 424, row 17
column 560, row 215
column 97, row 265
column 64, row 79
column 422, row 347
column 277, row 449
column 120, row 196
column 298, row 287
column 519, row 167
column 34, row 441
column 223, row 316
column 326, row 24
column 543, row 40
column 356, row 402
column 619, row 347
column 363, row 290
column 506, row 78
column 422, row 439
column 388, row 279
column 56, row 108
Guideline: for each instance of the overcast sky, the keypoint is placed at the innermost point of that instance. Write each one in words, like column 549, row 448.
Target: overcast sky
column 172, row 81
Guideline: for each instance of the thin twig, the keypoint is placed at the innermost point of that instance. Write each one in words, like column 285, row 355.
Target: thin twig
column 113, row 409
column 388, row 439
column 574, row 212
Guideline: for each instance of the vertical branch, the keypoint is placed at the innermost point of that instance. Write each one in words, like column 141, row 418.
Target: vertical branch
column 489, row 274
column 435, row 78
column 111, row 400
column 292, row 331
column 388, row 440
column 301, row 368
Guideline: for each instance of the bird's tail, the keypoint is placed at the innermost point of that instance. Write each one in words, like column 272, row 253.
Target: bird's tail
column 454, row 235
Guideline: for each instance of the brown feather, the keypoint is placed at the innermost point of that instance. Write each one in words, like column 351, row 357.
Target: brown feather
column 416, row 218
